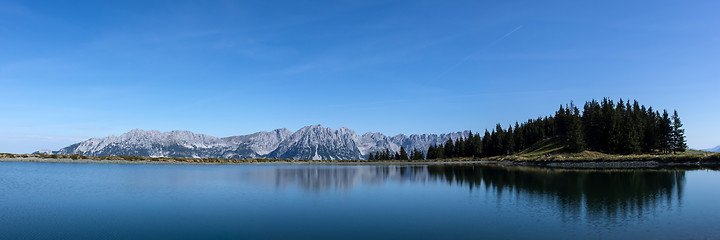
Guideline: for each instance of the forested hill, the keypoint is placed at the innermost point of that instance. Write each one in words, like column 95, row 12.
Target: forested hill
column 610, row 127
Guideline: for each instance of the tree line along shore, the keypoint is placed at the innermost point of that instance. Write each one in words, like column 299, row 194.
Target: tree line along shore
column 604, row 128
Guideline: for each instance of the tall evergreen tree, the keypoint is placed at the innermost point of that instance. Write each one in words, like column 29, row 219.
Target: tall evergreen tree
column 629, row 134
column 518, row 138
column 449, row 147
column 469, row 145
column 678, row 134
column 606, row 139
column 651, row 138
column 477, row 145
column 418, row 155
column 431, row 154
column 498, row 136
column 665, row 130
column 560, row 128
column 591, row 124
column 509, row 141
column 487, row 144
column 615, row 127
column 459, row 148
column 402, row 156
column 440, row 150
column 574, row 130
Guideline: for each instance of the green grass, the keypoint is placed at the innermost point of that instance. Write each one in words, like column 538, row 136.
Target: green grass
column 533, row 154
column 557, row 148
column 592, row 156
column 548, row 145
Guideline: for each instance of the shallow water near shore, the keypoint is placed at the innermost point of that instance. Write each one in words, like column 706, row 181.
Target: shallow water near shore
column 91, row 201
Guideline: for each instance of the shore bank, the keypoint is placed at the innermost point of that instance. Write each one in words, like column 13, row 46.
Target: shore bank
column 555, row 161
column 589, row 159
column 241, row 162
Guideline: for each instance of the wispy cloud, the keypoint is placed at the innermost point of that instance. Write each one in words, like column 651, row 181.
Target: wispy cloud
column 44, row 69
column 305, row 67
column 184, row 35
column 16, row 10
column 506, row 35
column 462, row 60
column 94, row 129
column 333, row 63
column 425, row 99
column 43, row 138
column 33, row 64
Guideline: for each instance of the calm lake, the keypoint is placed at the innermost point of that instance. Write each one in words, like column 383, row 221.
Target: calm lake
column 99, row 201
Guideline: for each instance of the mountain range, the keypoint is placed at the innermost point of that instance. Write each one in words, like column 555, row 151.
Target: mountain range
column 715, row 149
column 310, row 142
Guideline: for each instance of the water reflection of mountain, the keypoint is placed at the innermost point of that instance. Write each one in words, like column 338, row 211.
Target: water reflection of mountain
column 318, row 178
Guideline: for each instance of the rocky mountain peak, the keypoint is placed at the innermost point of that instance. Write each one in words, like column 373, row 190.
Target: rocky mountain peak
column 309, row 142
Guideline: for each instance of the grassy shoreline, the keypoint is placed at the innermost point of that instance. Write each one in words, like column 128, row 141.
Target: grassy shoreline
column 586, row 159
column 250, row 162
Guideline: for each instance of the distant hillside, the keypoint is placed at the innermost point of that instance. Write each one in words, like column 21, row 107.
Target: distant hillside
column 715, row 149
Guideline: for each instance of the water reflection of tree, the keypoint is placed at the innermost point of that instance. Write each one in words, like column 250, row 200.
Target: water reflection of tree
column 602, row 194
column 598, row 195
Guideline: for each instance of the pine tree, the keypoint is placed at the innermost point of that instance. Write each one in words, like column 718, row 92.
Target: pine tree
column 417, row 155
column 650, row 139
column 449, row 147
column 591, row 124
column 498, row 135
column 629, row 134
column 574, row 130
column 458, row 148
column 678, row 134
column 402, row 156
column 371, row 157
column 639, row 119
column 614, row 124
column 477, row 145
column 518, row 138
column 665, row 130
column 606, row 139
column 486, row 144
column 560, row 122
column 469, row 148
column 432, row 152
column 440, row 150
column 546, row 128
column 509, row 141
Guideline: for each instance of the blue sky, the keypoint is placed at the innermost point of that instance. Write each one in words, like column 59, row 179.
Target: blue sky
column 74, row 70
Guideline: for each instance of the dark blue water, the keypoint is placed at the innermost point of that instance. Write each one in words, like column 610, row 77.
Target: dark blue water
column 91, row 201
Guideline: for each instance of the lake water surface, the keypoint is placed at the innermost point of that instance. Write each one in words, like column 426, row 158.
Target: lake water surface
column 97, row 201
